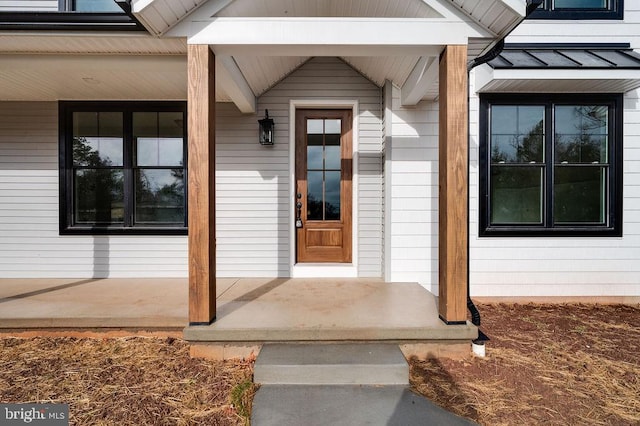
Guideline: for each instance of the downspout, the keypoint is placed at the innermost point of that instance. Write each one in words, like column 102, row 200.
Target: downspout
column 490, row 55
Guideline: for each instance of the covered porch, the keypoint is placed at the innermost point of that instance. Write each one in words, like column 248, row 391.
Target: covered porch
column 238, row 51
column 251, row 311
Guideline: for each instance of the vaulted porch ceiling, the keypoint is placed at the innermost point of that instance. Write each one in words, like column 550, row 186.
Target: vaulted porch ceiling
column 259, row 42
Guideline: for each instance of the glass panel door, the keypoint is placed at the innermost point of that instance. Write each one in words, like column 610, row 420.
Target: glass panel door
column 323, row 169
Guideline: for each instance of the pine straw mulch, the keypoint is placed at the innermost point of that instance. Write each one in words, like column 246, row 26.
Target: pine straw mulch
column 124, row 381
column 545, row 364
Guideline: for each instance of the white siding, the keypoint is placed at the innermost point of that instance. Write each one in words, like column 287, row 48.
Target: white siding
column 414, row 193
column 253, row 184
column 252, row 197
column 565, row 266
column 30, row 246
column 28, row 5
column 586, row 31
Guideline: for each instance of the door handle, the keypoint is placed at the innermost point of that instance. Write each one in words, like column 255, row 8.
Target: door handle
column 299, row 211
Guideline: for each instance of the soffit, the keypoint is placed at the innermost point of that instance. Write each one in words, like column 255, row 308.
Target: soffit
column 330, row 8
column 55, row 77
column 82, row 43
column 498, row 16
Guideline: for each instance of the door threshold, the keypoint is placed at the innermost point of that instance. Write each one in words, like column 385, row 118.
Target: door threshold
column 324, row 270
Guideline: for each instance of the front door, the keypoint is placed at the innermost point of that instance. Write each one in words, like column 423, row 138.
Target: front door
column 323, row 185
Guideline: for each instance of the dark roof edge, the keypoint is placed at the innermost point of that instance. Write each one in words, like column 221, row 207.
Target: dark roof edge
column 581, row 46
column 70, row 21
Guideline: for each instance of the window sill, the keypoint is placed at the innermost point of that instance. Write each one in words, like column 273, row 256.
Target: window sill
column 512, row 231
column 101, row 230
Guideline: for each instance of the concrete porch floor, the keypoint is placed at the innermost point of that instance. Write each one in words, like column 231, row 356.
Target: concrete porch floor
column 330, row 309
column 250, row 310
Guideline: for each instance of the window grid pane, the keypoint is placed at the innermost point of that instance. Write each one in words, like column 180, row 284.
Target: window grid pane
column 580, row 4
column 581, row 134
column 96, row 6
column 580, row 194
column 517, row 134
column 98, row 139
column 324, row 169
column 159, row 196
column 517, row 195
column 99, row 196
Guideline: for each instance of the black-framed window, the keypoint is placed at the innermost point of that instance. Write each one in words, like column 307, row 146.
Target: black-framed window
column 74, row 15
column 89, row 6
column 550, row 164
column 123, row 167
column 579, row 9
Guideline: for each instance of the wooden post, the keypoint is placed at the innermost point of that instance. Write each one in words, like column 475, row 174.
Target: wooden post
column 453, row 189
column 201, row 166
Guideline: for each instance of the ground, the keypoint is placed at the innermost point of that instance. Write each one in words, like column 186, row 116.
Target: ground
column 545, row 364
column 123, row 381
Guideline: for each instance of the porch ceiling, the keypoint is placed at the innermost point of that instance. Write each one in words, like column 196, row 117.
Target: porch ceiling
column 49, row 66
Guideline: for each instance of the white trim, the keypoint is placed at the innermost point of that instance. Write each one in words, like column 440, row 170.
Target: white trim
column 201, row 12
column 235, row 85
column 331, row 31
column 422, row 78
column 316, row 270
column 324, row 270
column 555, row 80
column 517, row 6
column 388, row 165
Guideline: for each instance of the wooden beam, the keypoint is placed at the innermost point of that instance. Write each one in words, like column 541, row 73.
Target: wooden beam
column 453, row 185
column 201, row 165
column 421, row 79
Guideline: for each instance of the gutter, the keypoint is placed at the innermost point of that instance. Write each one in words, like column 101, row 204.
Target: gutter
column 490, row 55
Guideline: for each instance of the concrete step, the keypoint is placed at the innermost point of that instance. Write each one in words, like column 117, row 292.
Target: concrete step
column 284, row 405
column 331, row 364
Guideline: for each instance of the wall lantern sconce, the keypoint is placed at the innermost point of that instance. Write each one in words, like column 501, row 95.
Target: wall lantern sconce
column 266, row 129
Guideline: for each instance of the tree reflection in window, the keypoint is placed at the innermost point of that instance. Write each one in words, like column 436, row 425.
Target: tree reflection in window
column 324, row 168
column 159, row 173
column 550, row 164
column 124, row 166
column 98, row 176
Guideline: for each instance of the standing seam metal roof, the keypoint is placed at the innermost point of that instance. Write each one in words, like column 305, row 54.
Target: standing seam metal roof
column 566, row 57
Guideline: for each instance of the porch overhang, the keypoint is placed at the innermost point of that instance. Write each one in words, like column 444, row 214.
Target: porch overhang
column 556, row 81
column 399, row 42
column 562, row 68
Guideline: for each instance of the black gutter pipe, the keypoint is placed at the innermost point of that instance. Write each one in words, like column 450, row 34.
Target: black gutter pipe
column 490, row 55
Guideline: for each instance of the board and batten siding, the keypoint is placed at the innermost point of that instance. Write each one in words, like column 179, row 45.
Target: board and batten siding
column 253, row 182
column 30, row 246
column 414, row 193
column 28, row 5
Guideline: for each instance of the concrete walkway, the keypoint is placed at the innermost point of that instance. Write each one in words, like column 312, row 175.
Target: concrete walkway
column 282, row 405
column 320, row 384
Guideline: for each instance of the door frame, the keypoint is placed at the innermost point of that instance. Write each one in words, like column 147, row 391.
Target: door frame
column 328, row 270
